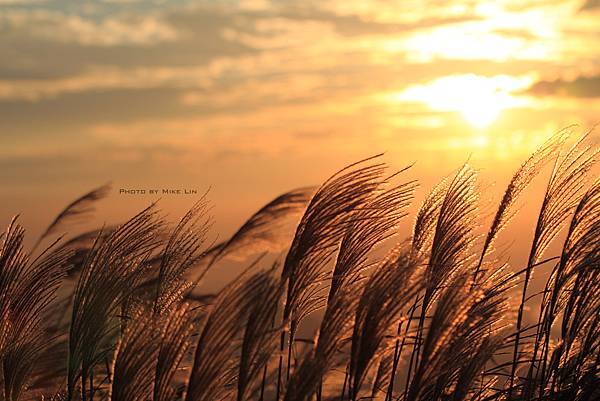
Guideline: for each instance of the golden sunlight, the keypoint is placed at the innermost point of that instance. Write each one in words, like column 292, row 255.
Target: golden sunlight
column 479, row 99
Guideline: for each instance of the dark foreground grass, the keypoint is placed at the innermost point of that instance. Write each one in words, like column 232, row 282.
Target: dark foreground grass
column 110, row 314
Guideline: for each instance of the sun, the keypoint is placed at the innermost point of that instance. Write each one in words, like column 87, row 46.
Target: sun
column 478, row 99
column 481, row 110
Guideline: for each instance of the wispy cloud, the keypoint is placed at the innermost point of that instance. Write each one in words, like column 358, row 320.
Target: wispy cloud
column 585, row 87
column 49, row 26
column 590, row 5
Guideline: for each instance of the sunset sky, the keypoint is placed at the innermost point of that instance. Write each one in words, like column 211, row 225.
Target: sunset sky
column 252, row 98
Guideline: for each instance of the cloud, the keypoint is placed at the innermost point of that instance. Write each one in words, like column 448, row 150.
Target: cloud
column 590, row 5
column 49, row 45
column 583, row 87
column 100, row 79
column 356, row 24
column 524, row 34
column 18, row 2
column 59, row 27
column 46, row 43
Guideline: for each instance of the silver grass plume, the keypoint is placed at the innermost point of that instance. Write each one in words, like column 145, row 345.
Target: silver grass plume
column 387, row 292
column 563, row 192
column 452, row 240
column 453, row 236
column 519, row 182
column 110, row 274
column 27, row 289
column 335, row 328
column 464, row 327
column 79, row 208
column 183, row 250
column 318, row 234
column 135, row 359
column 575, row 293
column 257, row 233
column 176, row 327
column 214, row 370
column 149, row 353
column 259, row 341
column 370, row 225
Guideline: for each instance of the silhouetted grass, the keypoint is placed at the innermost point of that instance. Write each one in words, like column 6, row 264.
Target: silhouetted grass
column 111, row 313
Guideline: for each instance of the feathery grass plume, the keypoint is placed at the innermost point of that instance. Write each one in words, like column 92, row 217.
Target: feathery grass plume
column 79, row 208
column 580, row 250
column 258, row 232
column 452, row 240
column 469, row 385
column 182, row 251
column 135, row 359
column 423, row 230
column 463, row 328
column 574, row 291
column 335, row 327
column 28, row 288
column 48, row 372
column 519, row 182
column 80, row 245
column 214, row 369
column 110, row 274
column 149, row 353
column 12, row 258
column 322, row 226
column 453, row 235
column 386, row 294
column 427, row 218
column 260, row 337
column 369, row 226
column 317, row 235
column 176, row 328
column 560, row 200
column 451, row 311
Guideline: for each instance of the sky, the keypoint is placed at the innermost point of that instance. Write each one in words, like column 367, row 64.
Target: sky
column 252, row 98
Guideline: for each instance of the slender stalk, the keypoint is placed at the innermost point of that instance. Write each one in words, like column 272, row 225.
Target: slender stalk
column 281, row 349
column 390, row 388
column 398, row 351
column 262, row 384
column 320, row 390
column 414, row 357
column 92, row 384
column 344, row 385
column 83, row 386
column 107, row 365
column 289, row 357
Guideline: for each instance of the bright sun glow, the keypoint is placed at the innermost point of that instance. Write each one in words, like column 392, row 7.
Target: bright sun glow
column 479, row 100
